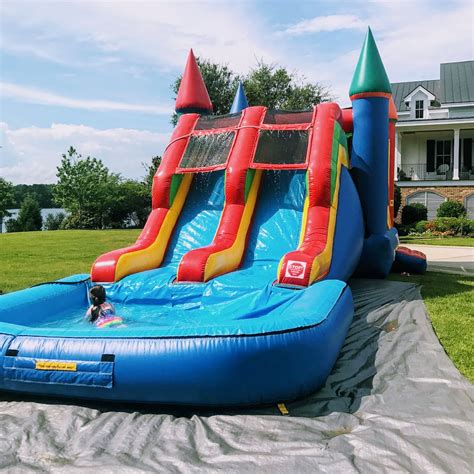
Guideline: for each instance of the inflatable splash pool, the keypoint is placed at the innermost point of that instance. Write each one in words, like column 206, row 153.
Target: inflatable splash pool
column 235, row 292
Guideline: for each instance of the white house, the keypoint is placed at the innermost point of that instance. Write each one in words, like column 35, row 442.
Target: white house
column 434, row 158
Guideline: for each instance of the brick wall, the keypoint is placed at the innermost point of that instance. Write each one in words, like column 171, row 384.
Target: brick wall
column 453, row 193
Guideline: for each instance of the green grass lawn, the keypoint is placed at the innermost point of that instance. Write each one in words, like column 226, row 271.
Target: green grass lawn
column 450, row 241
column 450, row 302
column 32, row 257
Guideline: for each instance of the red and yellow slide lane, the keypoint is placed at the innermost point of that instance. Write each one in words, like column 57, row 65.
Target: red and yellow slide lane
column 328, row 153
column 169, row 194
column 225, row 252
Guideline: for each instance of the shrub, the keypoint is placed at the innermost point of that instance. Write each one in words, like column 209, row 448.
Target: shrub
column 451, row 226
column 451, row 209
column 397, row 200
column 413, row 213
column 53, row 222
column 421, row 226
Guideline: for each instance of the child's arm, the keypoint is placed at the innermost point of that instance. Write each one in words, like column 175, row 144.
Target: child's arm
column 88, row 315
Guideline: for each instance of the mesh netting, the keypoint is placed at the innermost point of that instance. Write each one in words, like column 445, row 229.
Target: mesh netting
column 281, row 147
column 281, row 117
column 204, row 151
column 207, row 122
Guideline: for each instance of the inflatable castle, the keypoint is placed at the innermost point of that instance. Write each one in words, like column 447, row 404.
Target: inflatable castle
column 235, row 292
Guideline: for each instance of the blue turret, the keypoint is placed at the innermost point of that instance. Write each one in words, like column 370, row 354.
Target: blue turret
column 240, row 100
column 370, row 92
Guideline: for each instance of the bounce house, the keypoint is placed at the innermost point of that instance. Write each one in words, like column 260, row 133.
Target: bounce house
column 235, row 292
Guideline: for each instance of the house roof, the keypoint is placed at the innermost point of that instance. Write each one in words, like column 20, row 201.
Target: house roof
column 401, row 89
column 456, row 84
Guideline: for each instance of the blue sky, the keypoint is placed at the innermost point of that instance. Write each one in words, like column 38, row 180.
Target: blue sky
column 97, row 74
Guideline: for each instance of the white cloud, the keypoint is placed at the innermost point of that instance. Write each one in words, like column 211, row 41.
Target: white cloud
column 158, row 33
column 31, row 154
column 38, row 96
column 325, row 23
column 411, row 46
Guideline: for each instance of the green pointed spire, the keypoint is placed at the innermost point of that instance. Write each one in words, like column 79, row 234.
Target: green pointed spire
column 370, row 75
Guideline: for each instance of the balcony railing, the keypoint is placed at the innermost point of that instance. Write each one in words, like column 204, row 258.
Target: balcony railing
column 418, row 172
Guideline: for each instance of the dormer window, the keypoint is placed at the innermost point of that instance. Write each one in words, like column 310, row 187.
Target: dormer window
column 419, row 108
column 418, row 101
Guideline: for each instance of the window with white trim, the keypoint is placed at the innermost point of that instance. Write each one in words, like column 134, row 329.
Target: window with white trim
column 419, row 108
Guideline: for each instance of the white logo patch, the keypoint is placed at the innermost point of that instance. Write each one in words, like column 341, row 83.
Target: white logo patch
column 295, row 269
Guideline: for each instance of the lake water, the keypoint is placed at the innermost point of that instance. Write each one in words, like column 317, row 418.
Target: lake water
column 44, row 213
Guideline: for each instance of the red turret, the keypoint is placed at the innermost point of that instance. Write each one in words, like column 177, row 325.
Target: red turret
column 192, row 95
column 392, row 119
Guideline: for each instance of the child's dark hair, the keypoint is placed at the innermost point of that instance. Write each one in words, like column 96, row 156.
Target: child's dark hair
column 97, row 295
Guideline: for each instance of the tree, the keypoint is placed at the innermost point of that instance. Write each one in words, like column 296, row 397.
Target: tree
column 150, row 172
column 29, row 217
column 131, row 206
column 43, row 193
column 85, row 188
column 6, row 199
column 266, row 84
column 276, row 88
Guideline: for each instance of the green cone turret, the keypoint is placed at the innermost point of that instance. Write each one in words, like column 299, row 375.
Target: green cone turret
column 370, row 75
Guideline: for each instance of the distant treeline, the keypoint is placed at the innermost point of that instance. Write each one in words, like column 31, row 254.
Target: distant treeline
column 43, row 193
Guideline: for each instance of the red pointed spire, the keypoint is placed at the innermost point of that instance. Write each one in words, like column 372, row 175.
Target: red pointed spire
column 192, row 95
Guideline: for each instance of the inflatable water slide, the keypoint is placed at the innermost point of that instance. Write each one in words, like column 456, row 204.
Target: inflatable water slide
column 235, row 292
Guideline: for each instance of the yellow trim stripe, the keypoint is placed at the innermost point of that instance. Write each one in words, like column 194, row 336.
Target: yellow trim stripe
column 389, row 221
column 152, row 256
column 304, row 220
column 229, row 259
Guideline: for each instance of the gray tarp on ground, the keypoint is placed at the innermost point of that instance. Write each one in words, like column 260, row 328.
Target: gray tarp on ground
column 394, row 402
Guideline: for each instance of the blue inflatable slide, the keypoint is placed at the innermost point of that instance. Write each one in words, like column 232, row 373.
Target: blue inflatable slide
column 235, row 292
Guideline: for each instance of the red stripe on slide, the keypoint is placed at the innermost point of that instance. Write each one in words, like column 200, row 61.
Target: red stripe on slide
column 296, row 267
column 193, row 264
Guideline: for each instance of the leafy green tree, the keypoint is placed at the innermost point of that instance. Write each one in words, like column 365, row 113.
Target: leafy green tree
column 150, row 170
column 29, row 217
column 85, row 188
column 131, row 206
column 276, row 88
column 266, row 84
column 6, row 198
column 43, row 193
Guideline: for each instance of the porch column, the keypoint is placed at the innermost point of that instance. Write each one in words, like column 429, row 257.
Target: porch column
column 456, row 154
column 398, row 153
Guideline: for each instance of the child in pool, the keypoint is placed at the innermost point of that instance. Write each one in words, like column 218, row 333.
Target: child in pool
column 101, row 313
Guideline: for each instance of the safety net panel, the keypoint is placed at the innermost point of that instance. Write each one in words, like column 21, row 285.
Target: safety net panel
column 281, row 147
column 207, row 151
column 281, row 117
column 206, row 122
